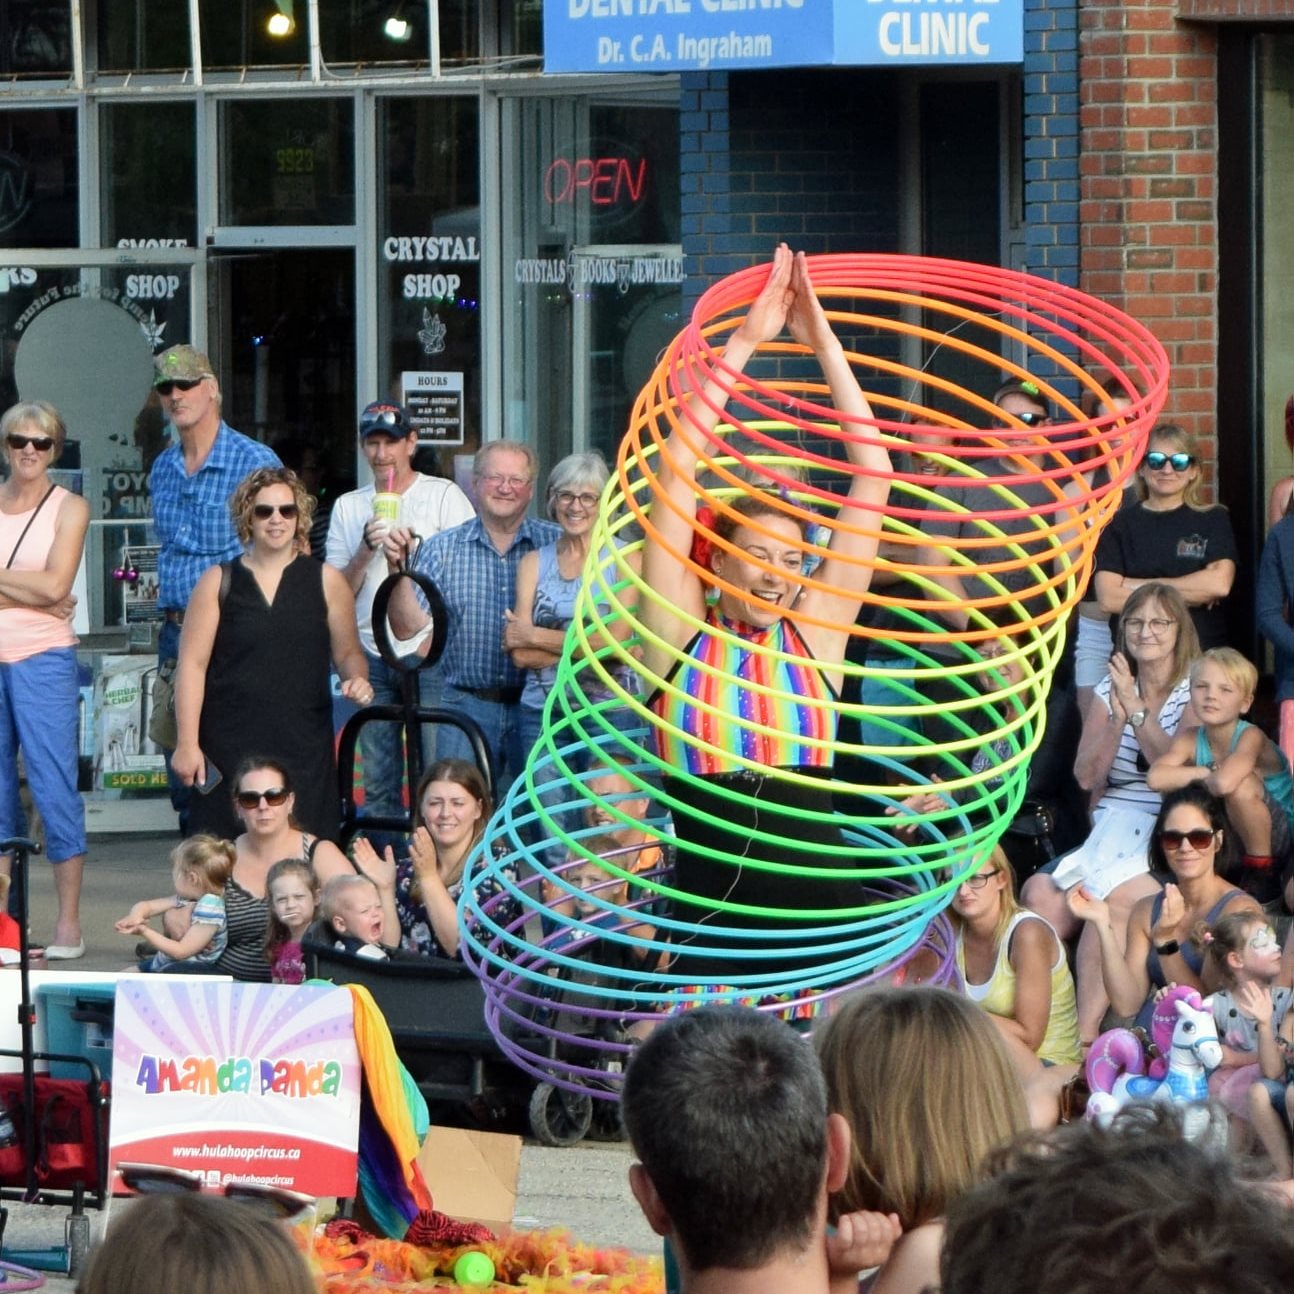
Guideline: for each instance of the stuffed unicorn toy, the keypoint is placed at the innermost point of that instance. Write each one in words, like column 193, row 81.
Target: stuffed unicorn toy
column 1184, row 1032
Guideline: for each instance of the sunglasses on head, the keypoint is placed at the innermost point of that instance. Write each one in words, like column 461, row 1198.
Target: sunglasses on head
column 1199, row 839
column 171, row 385
column 274, row 796
column 1179, row 462
column 42, row 444
column 264, row 511
column 388, row 416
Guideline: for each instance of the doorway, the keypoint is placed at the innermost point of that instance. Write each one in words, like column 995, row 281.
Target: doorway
column 283, row 339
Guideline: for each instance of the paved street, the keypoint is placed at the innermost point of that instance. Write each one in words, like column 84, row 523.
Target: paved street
column 583, row 1188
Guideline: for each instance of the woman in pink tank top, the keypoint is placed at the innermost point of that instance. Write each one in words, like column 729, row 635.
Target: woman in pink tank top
column 42, row 534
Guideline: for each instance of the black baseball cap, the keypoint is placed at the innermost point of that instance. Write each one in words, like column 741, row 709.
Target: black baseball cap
column 385, row 418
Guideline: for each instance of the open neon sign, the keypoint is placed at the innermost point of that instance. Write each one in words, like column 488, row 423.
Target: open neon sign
column 608, row 181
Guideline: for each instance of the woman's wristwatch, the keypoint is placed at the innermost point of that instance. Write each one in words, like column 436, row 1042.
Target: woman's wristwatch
column 1137, row 717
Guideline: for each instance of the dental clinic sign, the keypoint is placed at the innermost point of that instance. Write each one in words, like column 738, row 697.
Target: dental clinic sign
column 694, row 35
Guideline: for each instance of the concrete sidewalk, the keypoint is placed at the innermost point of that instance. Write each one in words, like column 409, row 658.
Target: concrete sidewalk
column 583, row 1188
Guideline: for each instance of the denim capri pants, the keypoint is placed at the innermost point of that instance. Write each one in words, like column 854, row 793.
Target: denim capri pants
column 39, row 699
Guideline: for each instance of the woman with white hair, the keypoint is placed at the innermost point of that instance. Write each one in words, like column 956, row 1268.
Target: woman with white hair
column 548, row 583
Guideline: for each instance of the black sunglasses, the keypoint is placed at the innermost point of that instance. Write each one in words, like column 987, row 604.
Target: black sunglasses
column 274, row 796
column 42, row 444
column 264, row 511
column 1031, row 419
column 1180, row 462
column 171, row 385
column 151, row 1179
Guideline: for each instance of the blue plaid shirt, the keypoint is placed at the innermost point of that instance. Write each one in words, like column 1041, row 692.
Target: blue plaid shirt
column 478, row 584
column 191, row 513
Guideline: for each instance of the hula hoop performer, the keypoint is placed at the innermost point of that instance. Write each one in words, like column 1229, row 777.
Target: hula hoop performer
column 770, row 654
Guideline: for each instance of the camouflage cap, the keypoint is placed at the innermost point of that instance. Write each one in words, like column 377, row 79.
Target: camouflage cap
column 181, row 364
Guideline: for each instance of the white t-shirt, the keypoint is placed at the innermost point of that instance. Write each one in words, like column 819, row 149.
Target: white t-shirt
column 428, row 506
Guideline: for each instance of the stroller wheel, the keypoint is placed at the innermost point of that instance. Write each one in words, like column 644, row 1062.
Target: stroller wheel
column 559, row 1117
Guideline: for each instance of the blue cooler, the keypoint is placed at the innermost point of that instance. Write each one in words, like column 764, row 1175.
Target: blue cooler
column 78, row 1022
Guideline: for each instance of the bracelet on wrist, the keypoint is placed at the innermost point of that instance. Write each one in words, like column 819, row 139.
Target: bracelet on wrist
column 1168, row 948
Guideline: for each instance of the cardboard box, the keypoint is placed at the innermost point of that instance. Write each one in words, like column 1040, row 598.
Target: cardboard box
column 472, row 1176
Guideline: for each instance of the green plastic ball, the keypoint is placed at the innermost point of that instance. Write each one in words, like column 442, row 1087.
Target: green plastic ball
column 474, row 1268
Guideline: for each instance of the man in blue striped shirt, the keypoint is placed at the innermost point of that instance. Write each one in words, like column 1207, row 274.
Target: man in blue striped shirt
column 190, row 484
column 474, row 567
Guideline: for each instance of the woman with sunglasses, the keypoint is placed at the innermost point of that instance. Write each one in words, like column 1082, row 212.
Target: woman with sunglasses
column 1143, row 702
column 1170, row 537
column 42, row 533
column 1013, row 965
column 1165, row 935
column 253, row 670
column 263, row 798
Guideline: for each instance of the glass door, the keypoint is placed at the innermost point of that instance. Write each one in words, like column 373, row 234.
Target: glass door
column 283, row 339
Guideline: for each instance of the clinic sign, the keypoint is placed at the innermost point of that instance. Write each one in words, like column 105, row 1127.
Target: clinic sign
column 696, row 35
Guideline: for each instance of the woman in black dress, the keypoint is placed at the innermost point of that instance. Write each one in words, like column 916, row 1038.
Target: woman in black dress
column 258, row 636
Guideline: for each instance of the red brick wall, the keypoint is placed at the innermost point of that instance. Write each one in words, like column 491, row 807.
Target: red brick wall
column 1148, row 168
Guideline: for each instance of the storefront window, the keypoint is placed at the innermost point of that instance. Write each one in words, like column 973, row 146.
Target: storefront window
column 35, row 38
column 592, row 266
column 38, row 190
column 287, row 162
column 374, row 31
column 83, row 338
column 142, row 35
column 397, row 31
column 521, row 24
column 429, row 251
column 253, row 33
column 143, row 147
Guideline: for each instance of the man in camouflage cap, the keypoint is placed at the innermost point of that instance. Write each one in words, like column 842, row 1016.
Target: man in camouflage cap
column 190, row 484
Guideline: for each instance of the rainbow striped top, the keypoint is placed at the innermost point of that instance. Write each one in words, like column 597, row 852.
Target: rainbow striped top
column 735, row 680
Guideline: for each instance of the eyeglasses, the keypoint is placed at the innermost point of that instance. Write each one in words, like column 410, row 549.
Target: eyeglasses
column 1199, row 839
column 385, row 416
column 980, row 879
column 41, row 444
column 568, row 497
column 1157, row 627
column 495, row 480
column 1030, row 419
column 1179, row 462
column 178, row 384
column 264, row 511
column 275, row 796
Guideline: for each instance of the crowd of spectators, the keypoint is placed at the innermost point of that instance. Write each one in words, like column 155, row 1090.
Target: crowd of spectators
column 1170, row 812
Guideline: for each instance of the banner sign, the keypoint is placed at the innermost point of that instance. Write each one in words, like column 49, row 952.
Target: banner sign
column 254, row 1082
column 696, row 35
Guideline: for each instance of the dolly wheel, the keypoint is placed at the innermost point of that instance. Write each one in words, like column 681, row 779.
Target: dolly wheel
column 559, row 1117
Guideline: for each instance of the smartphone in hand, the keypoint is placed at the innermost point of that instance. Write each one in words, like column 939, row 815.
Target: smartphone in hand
column 210, row 782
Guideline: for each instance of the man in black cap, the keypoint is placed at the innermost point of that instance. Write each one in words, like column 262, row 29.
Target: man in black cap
column 413, row 506
column 190, row 485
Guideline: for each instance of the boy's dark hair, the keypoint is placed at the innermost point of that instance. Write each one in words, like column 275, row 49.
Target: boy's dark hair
column 727, row 1110
column 1135, row 1207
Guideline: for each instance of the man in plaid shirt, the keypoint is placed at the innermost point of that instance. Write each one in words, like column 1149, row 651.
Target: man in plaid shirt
column 474, row 567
